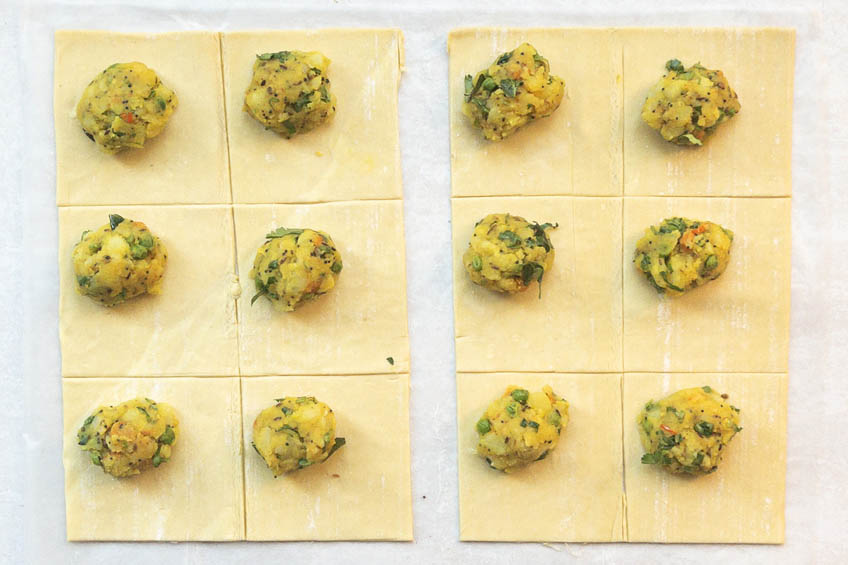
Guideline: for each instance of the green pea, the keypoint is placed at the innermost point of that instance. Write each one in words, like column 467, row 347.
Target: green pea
column 483, row 426
column 477, row 263
column 146, row 240
column 337, row 267
column 520, row 395
column 711, row 263
column 139, row 251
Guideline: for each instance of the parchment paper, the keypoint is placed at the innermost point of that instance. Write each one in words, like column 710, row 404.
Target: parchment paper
column 32, row 526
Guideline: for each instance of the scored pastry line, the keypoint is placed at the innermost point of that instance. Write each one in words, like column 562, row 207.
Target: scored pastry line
column 625, row 526
column 223, row 204
column 243, row 455
column 626, row 196
column 226, row 117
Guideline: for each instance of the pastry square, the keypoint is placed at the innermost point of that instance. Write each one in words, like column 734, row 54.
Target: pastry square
column 577, row 150
column 188, row 330
column 749, row 155
column 736, row 323
column 741, row 502
column 574, row 494
column 355, row 327
column 196, row 496
column 363, row 491
column 576, row 325
column 185, row 164
column 356, row 156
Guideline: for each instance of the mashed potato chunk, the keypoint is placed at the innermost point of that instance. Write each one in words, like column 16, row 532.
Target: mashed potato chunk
column 507, row 253
column 119, row 261
column 124, row 106
column 515, row 90
column 131, row 437
column 294, row 266
column 681, row 254
column 687, row 105
column 686, row 432
column 521, row 427
column 290, row 92
column 298, row 431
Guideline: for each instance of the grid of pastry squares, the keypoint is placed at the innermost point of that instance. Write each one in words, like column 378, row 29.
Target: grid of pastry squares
column 600, row 335
column 211, row 186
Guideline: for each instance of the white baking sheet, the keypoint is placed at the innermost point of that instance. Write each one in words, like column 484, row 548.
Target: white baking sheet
column 32, row 528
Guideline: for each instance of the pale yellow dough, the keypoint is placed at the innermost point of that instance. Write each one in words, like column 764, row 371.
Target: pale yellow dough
column 594, row 318
column 362, row 492
column 751, row 154
column 189, row 329
column 575, row 151
column 576, row 326
column 196, row 496
column 354, row 157
column 742, row 502
column 351, row 330
column 574, row 495
column 738, row 322
column 186, row 164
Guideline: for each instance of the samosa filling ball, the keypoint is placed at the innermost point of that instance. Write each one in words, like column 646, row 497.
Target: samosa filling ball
column 290, row 92
column 507, row 253
column 687, row 105
column 131, row 437
column 687, row 432
column 119, row 261
column 681, row 254
column 298, row 431
column 294, row 266
column 124, row 106
column 521, row 427
column 515, row 90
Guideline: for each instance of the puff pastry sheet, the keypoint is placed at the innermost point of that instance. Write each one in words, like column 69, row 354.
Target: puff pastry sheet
column 185, row 164
column 738, row 322
column 189, row 329
column 595, row 316
column 362, row 492
column 196, row 496
column 576, row 324
column 202, row 325
column 577, row 150
column 356, row 156
column 575, row 494
column 742, row 502
column 351, row 329
column 750, row 155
